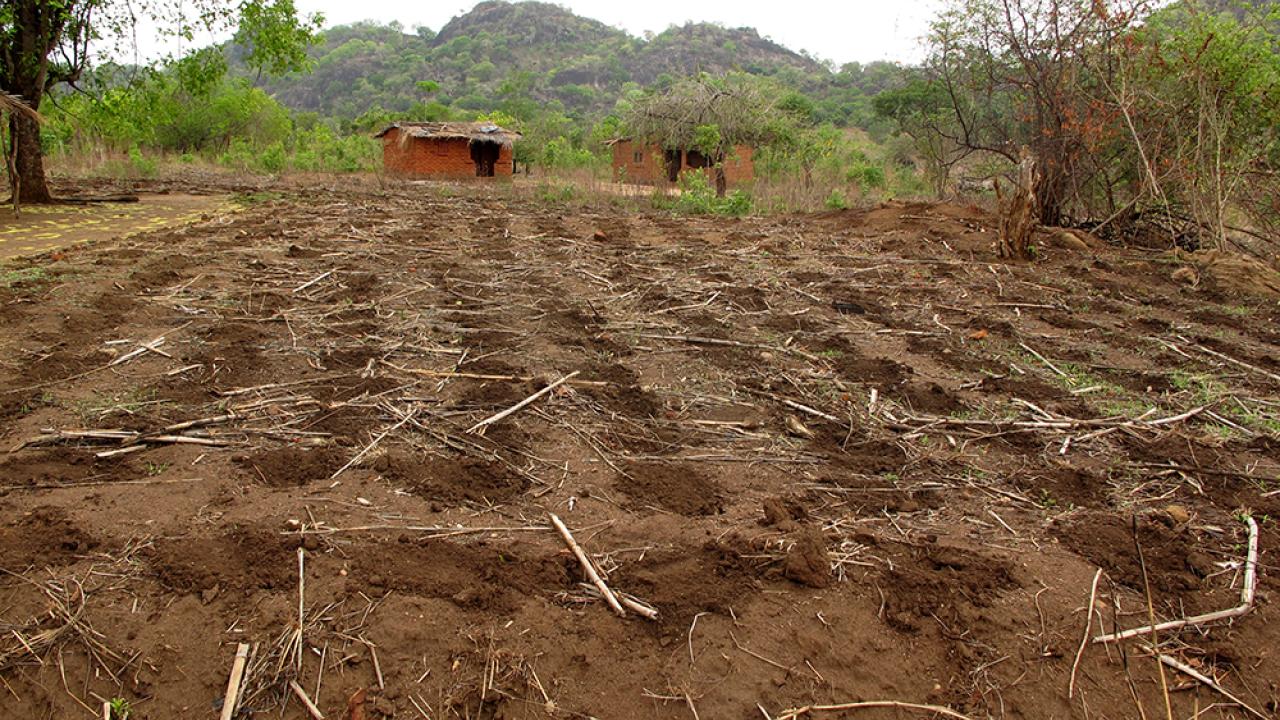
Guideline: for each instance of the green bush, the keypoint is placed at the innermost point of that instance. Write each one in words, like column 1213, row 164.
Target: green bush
column 836, row 200
column 698, row 197
column 272, row 158
column 867, row 176
column 140, row 164
column 560, row 153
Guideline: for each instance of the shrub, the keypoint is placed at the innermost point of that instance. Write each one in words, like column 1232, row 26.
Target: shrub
column 836, row 200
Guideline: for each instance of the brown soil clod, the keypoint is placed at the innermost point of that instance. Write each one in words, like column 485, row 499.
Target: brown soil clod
column 291, row 466
column 46, row 536
column 452, row 479
column 1176, row 564
column 678, row 488
column 808, row 562
column 473, row 576
column 945, row 582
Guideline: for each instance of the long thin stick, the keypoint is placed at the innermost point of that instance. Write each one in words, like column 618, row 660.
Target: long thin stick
column 302, row 603
column 1182, row 667
column 306, row 701
column 1084, row 639
column 374, row 443
column 230, row 699
column 515, row 408
column 587, row 567
column 809, row 709
column 1151, row 617
column 313, row 281
column 1246, row 599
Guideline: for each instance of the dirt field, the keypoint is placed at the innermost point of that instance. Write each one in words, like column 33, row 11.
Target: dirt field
column 847, row 457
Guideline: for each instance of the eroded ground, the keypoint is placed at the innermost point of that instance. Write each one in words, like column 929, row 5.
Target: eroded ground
column 846, row 457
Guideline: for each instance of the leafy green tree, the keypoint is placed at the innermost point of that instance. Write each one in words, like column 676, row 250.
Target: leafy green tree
column 922, row 111
column 713, row 115
column 1199, row 95
column 45, row 43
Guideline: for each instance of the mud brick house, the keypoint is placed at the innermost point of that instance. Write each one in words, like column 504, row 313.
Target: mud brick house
column 448, row 149
column 638, row 162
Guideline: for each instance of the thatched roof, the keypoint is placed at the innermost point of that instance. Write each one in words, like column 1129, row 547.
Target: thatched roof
column 13, row 103
column 472, row 131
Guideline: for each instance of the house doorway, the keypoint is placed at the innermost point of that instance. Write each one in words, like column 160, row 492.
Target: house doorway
column 485, row 156
column 671, row 159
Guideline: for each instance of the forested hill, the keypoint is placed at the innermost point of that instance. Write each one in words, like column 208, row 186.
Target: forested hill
column 544, row 52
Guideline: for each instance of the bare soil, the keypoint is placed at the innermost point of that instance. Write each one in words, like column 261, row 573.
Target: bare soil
column 848, row 456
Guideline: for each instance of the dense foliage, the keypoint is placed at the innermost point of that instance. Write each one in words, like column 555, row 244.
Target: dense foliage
column 1129, row 108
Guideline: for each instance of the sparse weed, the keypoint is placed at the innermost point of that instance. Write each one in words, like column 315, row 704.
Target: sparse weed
column 119, row 709
column 9, row 278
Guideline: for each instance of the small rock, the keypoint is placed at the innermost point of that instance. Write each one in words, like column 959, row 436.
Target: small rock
column 808, row 562
column 776, row 514
column 1178, row 513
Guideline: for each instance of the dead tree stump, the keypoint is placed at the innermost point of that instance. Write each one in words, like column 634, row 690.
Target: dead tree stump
column 1019, row 210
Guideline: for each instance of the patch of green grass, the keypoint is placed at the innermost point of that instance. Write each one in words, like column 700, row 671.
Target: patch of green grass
column 1047, row 501
column 1204, row 388
column 557, row 192
column 9, row 278
column 256, row 198
column 154, row 468
column 44, row 399
column 1128, row 407
column 92, row 410
column 1237, row 310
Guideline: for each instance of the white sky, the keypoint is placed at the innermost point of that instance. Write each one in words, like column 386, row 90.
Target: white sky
column 854, row 30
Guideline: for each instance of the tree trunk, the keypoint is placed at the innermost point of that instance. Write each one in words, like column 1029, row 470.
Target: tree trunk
column 24, row 134
column 722, row 183
column 1018, row 210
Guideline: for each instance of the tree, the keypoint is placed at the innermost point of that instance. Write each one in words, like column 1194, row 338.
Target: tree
column 45, row 43
column 712, row 115
column 1199, row 93
column 1021, row 72
column 11, row 105
column 922, row 111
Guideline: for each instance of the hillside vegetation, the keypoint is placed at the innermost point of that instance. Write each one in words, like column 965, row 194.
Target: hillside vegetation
column 580, row 66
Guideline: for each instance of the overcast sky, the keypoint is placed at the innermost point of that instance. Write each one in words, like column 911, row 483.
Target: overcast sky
column 861, row 30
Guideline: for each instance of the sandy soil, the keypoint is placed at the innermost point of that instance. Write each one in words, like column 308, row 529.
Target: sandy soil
column 42, row 228
column 846, row 457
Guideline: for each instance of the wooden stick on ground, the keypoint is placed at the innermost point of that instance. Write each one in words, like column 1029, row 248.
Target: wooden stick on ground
column 1184, row 668
column 587, row 566
column 811, row 709
column 1246, row 599
column 232, row 697
column 312, row 710
column 312, row 281
column 1084, row 639
column 515, row 408
column 407, row 417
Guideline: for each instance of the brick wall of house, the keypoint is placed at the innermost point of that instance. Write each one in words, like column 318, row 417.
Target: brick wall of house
column 427, row 157
column 640, row 163
column 637, row 163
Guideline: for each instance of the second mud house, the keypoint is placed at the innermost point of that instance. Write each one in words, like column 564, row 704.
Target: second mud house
column 649, row 164
column 448, row 149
